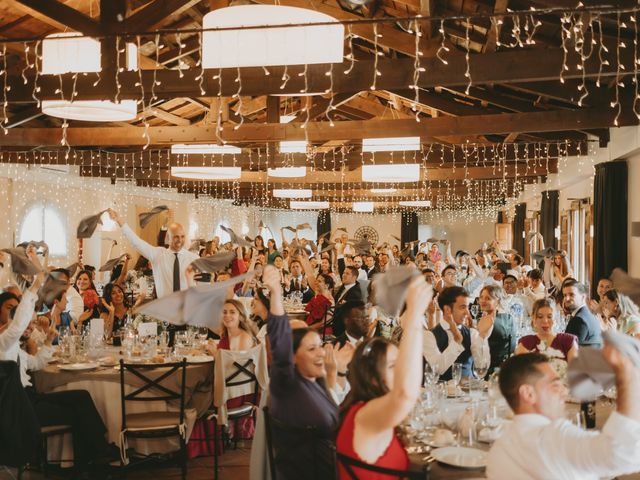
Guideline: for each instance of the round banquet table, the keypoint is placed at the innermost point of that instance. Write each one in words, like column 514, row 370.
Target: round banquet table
column 438, row 471
column 103, row 384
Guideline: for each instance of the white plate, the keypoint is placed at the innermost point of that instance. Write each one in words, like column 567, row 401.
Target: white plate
column 199, row 358
column 461, row 457
column 72, row 367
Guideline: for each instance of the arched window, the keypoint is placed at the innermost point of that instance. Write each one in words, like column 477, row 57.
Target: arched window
column 43, row 222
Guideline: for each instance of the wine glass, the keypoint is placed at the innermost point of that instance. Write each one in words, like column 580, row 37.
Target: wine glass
column 430, row 375
column 480, row 368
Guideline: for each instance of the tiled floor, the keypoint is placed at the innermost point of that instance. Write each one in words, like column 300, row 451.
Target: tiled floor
column 233, row 465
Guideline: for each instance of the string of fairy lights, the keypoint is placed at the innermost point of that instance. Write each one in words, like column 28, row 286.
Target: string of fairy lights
column 585, row 36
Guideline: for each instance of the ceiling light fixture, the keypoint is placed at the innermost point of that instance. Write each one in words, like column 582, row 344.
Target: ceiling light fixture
column 71, row 53
column 204, row 149
column 391, row 144
column 298, row 205
column 207, row 173
column 292, row 193
column 366, row 207
column 287, row 172
column 383, row 190
column 408, row 172
column 256, row 47
column 415, row 203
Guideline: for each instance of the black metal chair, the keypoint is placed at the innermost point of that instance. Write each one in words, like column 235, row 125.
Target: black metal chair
column 327, row 322
column 155, row 424
column 242, row 374
column 349, row 463
column 282, row 442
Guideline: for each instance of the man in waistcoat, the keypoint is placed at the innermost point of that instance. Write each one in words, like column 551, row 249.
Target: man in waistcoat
column 451, row 340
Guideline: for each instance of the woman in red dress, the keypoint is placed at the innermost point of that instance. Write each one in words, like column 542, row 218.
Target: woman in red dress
column 385, row 384
column 320, row 304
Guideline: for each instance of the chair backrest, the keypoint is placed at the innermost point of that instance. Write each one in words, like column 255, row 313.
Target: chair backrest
column 349, row 463
column 151, row 383
column 282, row 437
column 240, row 370
column 327, row 321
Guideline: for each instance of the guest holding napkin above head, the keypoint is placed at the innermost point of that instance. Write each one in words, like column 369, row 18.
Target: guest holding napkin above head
column 385, row 384
column 541, row 444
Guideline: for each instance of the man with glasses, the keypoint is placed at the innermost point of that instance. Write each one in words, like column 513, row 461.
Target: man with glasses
column 515, row 302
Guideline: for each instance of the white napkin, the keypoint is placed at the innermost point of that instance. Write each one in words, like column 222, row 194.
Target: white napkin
column 148, row 329
column 96, row 328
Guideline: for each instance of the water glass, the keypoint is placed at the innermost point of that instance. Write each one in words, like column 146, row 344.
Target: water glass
column 430, row 375
column 128, row 344
column 480, row 368
column 456, row 373
column 476, row 389
column 163, row 342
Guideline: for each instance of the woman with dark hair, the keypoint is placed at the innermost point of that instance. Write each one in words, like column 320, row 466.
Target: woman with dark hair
column 504, row 336
column 299, row 398
column 545, row 338
column 621, row 313
column 260, row 305
column 385, row 384
column 258, row 243
column 90, row 298
column 319, row 306
column 115, row 308
column 272, row 251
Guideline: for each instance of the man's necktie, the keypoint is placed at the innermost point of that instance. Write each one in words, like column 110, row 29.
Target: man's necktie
column 176, row 274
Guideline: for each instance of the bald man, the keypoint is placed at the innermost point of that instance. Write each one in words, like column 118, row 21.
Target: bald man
column 171, row 265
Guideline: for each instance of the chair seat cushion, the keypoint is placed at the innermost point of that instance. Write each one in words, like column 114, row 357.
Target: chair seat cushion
column 153, row 420
column 55, row 429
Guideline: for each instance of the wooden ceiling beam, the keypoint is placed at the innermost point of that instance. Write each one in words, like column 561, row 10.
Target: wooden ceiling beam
column 513, row 67
column 151, row 15
column 59, row 15
column 504, row 123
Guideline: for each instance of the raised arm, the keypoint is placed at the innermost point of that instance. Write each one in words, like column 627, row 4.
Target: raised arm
column 125, row 269
column 145, row 249
column 308, row 271
column 386, row 412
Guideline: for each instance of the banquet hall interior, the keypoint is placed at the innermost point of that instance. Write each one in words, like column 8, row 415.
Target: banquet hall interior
column 191, row 190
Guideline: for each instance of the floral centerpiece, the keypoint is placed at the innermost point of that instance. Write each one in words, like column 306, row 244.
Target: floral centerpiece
column 141, row 318
column 556, row 359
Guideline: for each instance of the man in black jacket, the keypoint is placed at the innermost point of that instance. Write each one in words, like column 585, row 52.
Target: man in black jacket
column 350, row 291
column 582, row 323
column 356, row 323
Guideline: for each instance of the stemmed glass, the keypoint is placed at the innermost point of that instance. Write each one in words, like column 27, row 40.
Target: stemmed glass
column 456, row 374
column 430, row 375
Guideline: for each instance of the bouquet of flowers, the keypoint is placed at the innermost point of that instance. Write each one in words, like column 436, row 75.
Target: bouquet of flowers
column 556, row 359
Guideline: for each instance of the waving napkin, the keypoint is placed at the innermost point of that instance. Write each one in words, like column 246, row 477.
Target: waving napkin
column 145, row 217
column 41, row 244
column 236, row 239
column 200, row 305
column 391, row 288
column 107, row 267
column 54, row 285
column 542, row 254
column 72, row 269
column 626, row 284
column 20, row 263
column 214, row 263
column 589, row 373
column 88, row 225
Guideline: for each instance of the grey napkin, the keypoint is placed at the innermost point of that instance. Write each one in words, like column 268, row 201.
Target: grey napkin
column 145, row 217
column 391, row 288
column 542, row 254
column 88, row 225
column 236, row 239
column 196, row 244
column 362, row 247
column 108, row 266
column 51, row 289
column 290, row 228
column 326, row 247
column 342, row 228
column 433, row 240
column 248, row 239
column 200, row 305
column 215, row 263
column 72, row 269
column 395, row 238
column 39, row 245
column 303, row 226
column 20, row 263
column 626, row 284
column 530, row 236
column 589, row 373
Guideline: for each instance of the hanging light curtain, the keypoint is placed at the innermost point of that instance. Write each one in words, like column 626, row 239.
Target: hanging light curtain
column 71, row 53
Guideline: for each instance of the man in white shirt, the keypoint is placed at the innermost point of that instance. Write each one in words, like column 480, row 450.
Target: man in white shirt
column 171, row 266
column 515, row 302
column 535, row 290
column 451, row 341
column 541, row 444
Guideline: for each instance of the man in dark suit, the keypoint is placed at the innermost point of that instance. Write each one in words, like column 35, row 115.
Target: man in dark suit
column 298, row 282
column 349, row 291
column 370, row 266
column 356, row 323
column 583, row 324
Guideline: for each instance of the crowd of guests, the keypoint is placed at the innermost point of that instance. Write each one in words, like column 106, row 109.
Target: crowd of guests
column 350, row 371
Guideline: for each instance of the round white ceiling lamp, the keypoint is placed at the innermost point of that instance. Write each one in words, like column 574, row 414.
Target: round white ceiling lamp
column 292, row 193
column 71, row 53
column 207, row 173
column 287, row 172
column 399, row 173
column 258, row 47
column 307, row 205
column 365, row 207
column 415, row 203
column 205, row 149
